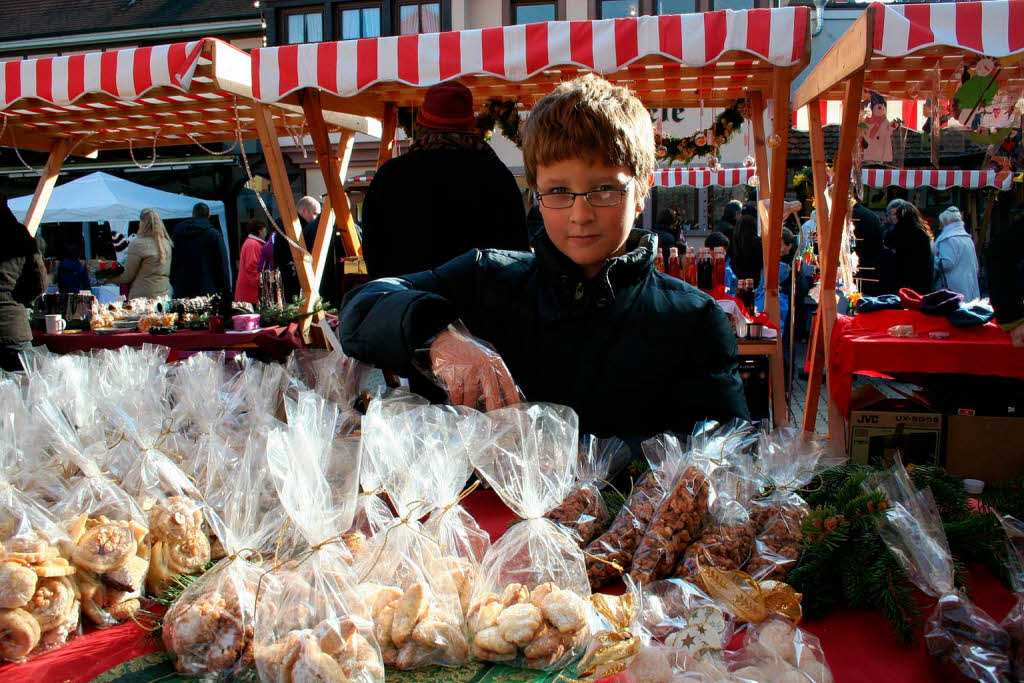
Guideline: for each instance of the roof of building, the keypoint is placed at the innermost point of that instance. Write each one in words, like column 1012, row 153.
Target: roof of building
column 916, row 152
column 41, row 18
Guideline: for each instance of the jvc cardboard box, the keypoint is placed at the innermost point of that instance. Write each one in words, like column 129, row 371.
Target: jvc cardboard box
column 986, row 448
column 879, row 426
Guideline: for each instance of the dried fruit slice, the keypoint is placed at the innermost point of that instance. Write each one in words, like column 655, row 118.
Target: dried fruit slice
column 105, row 547
column 17, row 584
column 19, row 633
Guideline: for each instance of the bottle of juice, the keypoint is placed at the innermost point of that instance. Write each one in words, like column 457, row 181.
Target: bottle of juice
column 705, row 270
column 718, row 274
column 659, row 260
column 690, row 267
column 674, row 269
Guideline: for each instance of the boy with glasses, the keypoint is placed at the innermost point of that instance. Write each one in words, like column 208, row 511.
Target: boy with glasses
column 586, row 320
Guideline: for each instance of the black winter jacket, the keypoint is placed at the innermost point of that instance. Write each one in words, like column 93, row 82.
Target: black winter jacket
column 22, row 277
column 633, row 351
column 199, row 261
column 426, row 207
column 912, row 261
column 1006, row 273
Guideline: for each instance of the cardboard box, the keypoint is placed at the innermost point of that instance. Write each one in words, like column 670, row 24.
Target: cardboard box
column 881, row 426
column 986, row 448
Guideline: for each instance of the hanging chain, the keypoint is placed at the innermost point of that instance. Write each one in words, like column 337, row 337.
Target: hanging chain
column 152, row 162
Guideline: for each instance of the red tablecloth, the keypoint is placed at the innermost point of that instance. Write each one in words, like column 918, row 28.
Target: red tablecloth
column 861, row 343
column 275, row 342
column 859, row 646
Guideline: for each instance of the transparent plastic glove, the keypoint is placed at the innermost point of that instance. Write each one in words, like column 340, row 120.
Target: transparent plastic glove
column 471, row 371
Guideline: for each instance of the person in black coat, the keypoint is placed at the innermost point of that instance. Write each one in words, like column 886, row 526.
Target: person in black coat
column 910, row 240
column 867, row 233
column 1006, row 277
column 199, row 259
column 449, row 193
column 22, row 280
column 748, row 253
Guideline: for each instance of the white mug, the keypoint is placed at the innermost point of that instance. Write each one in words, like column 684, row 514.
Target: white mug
column 55, row 324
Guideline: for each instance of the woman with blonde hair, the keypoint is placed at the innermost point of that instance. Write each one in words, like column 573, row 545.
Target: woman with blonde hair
column 147, row 263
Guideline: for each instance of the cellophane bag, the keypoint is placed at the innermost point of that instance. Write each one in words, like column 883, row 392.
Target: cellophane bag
column 311, row 623
column 125, row 375
column 777, row 650
column 413, row 585
column 1013, row 622
column 957, row 631
column 332, row 374
column 531, row 605
column 201, row 397
column 681, row 512
column 584, row 509
column 108, row 533
column 179, row 535
column 68, row 382
column 39, row 604
column 787, row 460
column 678, row 615
column 209, row 628
column 30, row 466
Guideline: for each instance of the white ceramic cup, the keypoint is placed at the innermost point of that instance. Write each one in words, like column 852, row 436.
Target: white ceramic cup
column 55, row 324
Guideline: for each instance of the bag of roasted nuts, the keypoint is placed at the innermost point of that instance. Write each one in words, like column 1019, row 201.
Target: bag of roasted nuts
column 530, row 607
column 311, row 622
column 584, row 509
column 957, row 631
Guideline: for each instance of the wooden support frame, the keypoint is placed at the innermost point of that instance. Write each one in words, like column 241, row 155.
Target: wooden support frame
column 389, row 126
column 44, row 188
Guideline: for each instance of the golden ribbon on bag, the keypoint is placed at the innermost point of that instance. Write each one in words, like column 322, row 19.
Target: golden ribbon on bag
column 749, row 600
column 610, row 650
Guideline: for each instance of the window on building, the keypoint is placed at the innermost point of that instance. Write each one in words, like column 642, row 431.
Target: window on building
column 532, row 12
column 608, row 9
column 303, row 26
column 359, row 21
column 419, row 17
column 734, row 4
column 676, row 6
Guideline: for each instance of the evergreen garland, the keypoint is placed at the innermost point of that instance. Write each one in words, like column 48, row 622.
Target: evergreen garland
column 499, row 113
column 700, row 144
column 845, row 562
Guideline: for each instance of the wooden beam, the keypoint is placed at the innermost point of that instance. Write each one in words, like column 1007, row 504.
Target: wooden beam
column 819, row 169
column 285, row 202
column 387, row 137
column 47, row 181
column 849, row 54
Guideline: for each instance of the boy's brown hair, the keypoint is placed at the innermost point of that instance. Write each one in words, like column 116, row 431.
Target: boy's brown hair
column 589, row 117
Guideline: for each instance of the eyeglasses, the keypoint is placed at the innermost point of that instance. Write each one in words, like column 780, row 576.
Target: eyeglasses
column 596, row 198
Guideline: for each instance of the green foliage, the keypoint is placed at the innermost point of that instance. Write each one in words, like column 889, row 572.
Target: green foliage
column 291, row 313
column 153, row 622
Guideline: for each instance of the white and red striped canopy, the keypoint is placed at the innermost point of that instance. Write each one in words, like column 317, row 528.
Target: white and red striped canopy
column 994, row 28
column 940, row 180
column 360, row 179
column 702, row 177
column 123, row 75
column 517, row 53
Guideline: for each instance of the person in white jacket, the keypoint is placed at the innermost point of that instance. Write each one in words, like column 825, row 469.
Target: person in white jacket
column 956, row 261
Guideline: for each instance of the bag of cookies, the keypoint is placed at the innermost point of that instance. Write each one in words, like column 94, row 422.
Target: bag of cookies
column 311, row 623
column 531, row 605
column 201, row 396
column 68, row 383
column 777, row 650
column 787, row 460
column 209, row 629
column 584, row 509
column 178, row 515
column 415, row 585
column 957, row 631
column 108, row 534
column 681, row 512
column 39, row 604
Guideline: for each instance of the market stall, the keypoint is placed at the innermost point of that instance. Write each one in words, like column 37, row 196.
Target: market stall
column 141, row 99
column 714, row 59
column 946, row 65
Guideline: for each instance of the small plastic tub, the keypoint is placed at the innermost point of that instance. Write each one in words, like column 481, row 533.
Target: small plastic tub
column 246, row 322
column 974, row 486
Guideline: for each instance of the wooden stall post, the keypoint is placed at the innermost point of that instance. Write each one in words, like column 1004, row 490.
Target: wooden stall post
column 286, row 203
column 387, row 136
column 47, row 181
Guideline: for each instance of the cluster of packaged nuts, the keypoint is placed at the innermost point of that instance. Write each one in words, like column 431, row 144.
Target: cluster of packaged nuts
column 779, row 537
column 112, row 557
column 39, row 602
column 675, row 525
column 543, row 625
column 413, row 629
column 617, row 545
column 334, row 650
column 583, row 511
column 968, row 638
column 723, row 546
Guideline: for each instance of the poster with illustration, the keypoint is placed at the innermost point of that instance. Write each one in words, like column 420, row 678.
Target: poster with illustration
column 876, row 131
column 978, row 104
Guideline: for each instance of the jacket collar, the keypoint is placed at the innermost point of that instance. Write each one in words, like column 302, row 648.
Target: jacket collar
column 576, row 294
column 952, row 230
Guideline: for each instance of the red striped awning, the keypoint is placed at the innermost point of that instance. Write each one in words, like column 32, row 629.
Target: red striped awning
column 940, row 180
column 777, row 37
column 993, row 29
column 122, row 74
column 360, row 179
column 702, row 177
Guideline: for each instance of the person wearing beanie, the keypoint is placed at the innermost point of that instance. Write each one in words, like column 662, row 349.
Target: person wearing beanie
column 956, row 262
column 448, row 194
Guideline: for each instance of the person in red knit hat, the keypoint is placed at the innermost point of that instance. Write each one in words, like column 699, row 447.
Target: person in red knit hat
column 448, row 194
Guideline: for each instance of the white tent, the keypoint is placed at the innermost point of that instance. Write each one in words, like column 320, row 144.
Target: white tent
column 103, row 197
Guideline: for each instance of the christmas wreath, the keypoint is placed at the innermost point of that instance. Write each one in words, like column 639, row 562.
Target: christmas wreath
column 703, row 143
column 497, row 113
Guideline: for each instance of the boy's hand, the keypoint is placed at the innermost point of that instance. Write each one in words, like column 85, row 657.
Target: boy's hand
column 471, row 370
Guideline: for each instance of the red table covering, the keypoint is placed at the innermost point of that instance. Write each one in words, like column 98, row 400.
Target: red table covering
column 861, row 344
column 859, row 646
column 277, row 342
